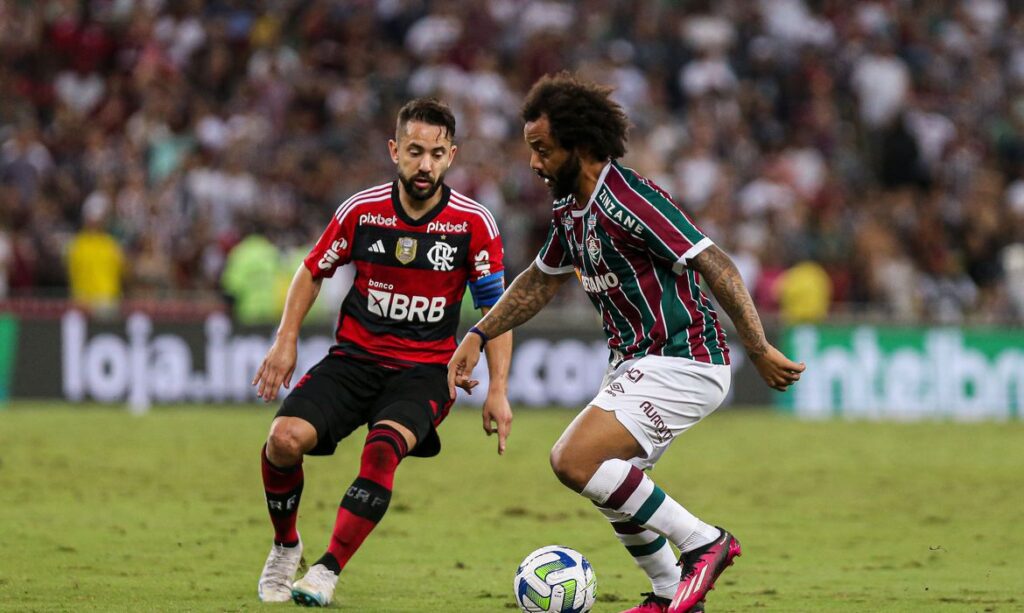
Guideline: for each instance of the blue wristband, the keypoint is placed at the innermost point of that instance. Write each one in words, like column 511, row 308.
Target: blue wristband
column 483, row 337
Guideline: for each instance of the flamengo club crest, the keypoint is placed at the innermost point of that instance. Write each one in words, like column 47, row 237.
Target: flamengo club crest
column 441, row 255
column 405, row 250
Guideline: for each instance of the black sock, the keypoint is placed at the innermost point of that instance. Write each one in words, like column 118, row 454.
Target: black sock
column 330, row 562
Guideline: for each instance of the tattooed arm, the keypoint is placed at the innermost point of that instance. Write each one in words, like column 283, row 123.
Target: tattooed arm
column 725, row 282
column 527, row 295
column 522, row 300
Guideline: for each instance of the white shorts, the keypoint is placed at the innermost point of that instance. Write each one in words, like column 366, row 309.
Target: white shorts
column 657, row 398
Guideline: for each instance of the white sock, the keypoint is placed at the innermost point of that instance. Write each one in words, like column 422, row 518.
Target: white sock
column 606, row 479
column 702, row 535
column 619, row 486
column 650, row 551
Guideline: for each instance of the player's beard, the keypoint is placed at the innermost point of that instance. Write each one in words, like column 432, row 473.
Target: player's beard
column 417, row 193
column 566, row 179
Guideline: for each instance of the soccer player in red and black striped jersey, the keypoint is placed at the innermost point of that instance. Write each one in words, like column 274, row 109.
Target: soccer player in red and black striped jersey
column 416, row 244
column 639, row 258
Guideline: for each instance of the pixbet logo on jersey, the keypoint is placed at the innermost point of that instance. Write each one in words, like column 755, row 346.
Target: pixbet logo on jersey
column 401, row 307
column 374, row 219
column 447, row 226
column 332, row 254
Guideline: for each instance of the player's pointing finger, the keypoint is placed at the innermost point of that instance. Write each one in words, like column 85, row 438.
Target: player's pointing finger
column 504, row 426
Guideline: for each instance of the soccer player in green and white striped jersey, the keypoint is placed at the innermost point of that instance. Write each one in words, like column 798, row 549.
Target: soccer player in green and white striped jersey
column 639, row 258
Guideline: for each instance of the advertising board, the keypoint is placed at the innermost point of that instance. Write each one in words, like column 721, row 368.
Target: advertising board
column 141, row 362
column 897, row 372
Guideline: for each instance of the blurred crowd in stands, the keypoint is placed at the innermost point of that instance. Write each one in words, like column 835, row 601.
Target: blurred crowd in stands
column 852, row 156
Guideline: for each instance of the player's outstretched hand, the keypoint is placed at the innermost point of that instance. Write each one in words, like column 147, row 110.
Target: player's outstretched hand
column 497, row 414
column 778, row 371
column 461, row 366
column 276, row 369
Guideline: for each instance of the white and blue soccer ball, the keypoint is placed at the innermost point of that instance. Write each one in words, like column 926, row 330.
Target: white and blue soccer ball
column 555, row 579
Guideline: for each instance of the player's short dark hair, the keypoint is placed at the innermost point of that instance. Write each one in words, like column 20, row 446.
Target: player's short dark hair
column 429, row 111
column 582, row 114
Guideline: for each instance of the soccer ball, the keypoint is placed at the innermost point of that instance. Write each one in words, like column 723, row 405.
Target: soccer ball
column 555, row 579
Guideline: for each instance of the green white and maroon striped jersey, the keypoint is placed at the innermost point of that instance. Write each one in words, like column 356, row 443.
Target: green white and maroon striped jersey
column 630, row 246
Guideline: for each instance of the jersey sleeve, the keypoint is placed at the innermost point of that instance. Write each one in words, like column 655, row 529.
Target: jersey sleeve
column 333, row 249
column 553, row 258
column 670, row 234
column 486, row 265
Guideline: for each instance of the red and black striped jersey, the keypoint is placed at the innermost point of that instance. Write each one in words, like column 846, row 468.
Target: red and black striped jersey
column 410, row 275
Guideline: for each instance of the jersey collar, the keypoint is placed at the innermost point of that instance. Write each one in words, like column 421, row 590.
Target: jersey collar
column 593, row 195
column 396, row 204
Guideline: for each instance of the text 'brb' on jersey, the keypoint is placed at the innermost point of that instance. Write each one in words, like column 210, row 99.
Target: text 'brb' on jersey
column 403, row 307
column 630, row 247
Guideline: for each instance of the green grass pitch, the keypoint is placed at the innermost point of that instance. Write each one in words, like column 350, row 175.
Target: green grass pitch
column 103, row 511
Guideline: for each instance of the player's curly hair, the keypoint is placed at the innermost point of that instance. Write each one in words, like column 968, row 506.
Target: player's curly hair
column 582, row 114
column 430, row 111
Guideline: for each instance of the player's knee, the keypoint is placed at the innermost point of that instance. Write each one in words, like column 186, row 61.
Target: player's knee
column 569, row 471
column 287, row 443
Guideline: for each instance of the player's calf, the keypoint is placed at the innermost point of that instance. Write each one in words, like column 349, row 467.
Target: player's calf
column 367, row 499
column 283, row 490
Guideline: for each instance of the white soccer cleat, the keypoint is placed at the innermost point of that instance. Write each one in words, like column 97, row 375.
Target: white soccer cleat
column 316, row 589
column 279, row 572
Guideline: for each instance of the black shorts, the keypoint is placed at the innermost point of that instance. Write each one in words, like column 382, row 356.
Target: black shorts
column 342, row 393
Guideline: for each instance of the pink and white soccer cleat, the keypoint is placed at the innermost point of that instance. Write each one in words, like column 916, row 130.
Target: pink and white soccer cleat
column 657, row 604
column 701, row 567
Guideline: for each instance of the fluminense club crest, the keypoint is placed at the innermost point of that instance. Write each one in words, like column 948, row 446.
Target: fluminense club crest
column 593, row 244
column 405, row 250
column 594, row 249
